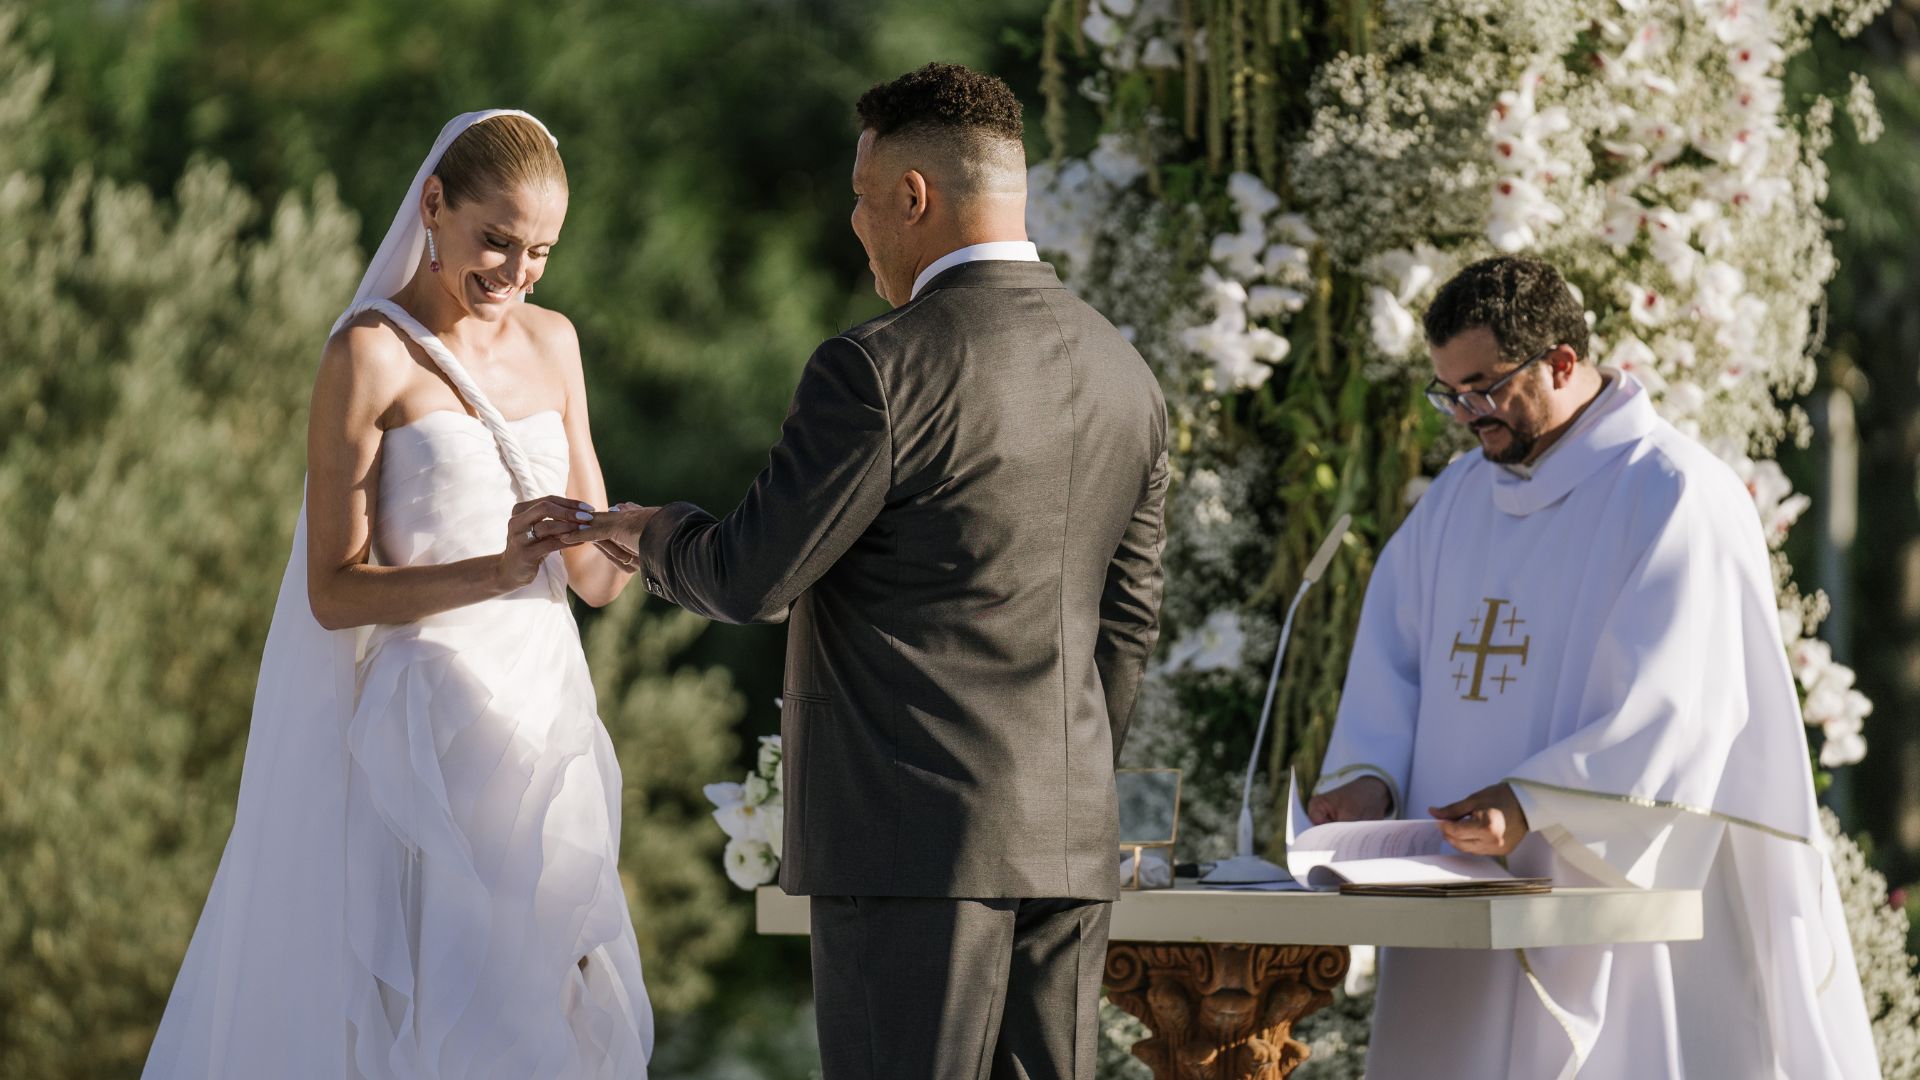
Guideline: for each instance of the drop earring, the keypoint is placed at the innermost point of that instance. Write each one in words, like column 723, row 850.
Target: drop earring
column 433, row 254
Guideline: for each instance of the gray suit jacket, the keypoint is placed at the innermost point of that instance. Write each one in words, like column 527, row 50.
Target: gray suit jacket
column 964, row 515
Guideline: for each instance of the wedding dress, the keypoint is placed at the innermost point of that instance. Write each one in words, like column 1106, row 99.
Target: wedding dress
column 422, row 879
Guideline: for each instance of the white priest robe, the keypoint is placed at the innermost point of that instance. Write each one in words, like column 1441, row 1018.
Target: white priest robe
column 1600, row 631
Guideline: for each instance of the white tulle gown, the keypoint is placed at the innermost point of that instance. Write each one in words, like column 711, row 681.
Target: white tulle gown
column 482, row 930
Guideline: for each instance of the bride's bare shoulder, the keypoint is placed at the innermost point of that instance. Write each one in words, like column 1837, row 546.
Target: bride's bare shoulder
column 365, row 359
column 552, row 334
column 548, row 328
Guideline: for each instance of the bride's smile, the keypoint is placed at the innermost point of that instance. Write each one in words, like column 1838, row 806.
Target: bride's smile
column 495, row 290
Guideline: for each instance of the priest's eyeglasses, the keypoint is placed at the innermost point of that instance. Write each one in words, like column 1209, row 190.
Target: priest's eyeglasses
column 1478, row 403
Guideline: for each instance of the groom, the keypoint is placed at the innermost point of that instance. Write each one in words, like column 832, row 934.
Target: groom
column 963, row 519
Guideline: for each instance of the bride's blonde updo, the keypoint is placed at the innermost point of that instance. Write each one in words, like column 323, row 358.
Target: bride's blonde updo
column 500, row 153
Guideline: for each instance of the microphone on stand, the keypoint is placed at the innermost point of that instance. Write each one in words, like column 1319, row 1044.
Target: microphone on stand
column 1246, row 868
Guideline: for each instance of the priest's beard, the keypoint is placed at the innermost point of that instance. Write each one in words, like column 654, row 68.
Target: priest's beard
column 1522, row 437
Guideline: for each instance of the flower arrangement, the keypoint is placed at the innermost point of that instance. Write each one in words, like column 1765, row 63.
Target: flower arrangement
column 1278, row 190
column 751, row 814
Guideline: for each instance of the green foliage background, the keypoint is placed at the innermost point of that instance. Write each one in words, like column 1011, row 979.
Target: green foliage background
column 187, row 188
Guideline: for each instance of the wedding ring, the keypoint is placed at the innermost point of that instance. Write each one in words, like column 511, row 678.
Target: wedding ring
column 530, row 537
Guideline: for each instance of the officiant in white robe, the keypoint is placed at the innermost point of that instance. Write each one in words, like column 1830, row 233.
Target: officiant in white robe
column 1570, row 654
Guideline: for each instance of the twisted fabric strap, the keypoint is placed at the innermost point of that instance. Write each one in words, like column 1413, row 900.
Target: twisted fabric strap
column 512, row 455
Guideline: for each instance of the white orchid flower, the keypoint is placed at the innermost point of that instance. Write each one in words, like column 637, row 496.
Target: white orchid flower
column 1408, row 274
column 1810, row 658
column 1393, row 328
column 1632, row 356
column 1101, row 29
column 1295, row 227
column 1647, row 307
column 1750, row 61
column 1621, row 225
column 1251, row 196
column 741, row 821
column 1239, row 253
column 1842, row 751
column 1161, row 56
column 1269, row 301
column 1212, row 646
column 1116, row 160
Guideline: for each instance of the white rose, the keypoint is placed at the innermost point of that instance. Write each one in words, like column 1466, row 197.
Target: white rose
column 773, row 828
column 750, row 863
column 758, row 789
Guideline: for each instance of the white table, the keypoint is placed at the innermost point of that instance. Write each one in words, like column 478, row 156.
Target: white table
column 1221, row 977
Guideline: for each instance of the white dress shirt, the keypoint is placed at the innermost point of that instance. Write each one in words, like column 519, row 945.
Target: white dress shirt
column 995, row 251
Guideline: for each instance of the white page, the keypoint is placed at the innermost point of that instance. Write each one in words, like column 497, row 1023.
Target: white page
column 1398, row 851
column 1423, row 870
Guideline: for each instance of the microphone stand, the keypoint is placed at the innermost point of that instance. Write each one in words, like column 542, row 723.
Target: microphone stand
column 1246, row 868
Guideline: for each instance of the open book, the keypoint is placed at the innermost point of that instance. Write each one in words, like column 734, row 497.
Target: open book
column 1398, row 858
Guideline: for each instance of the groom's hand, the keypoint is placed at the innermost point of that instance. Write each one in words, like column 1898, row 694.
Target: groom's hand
column 620, row 527
column 618, row 554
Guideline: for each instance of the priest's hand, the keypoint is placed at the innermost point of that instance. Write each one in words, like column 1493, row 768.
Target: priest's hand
column 1487, row 822
column 1365, row 799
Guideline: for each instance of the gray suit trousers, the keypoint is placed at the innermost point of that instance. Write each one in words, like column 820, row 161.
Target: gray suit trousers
column 912, row 988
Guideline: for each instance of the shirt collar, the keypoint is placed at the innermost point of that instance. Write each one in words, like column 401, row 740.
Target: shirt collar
column 993, row 251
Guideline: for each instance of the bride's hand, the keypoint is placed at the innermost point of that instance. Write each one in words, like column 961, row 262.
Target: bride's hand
column 534, row 532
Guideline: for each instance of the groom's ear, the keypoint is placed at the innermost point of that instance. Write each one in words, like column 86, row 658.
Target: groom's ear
column 916, row 201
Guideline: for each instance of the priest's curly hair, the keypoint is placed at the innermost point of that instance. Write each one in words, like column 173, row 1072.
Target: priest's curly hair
column 1524, row 302
column 963, row 124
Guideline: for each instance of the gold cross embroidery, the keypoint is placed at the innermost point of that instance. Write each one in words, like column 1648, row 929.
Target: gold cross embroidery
column 1486, row 648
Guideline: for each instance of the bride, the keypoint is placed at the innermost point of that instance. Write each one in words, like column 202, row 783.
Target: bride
column 422, row 877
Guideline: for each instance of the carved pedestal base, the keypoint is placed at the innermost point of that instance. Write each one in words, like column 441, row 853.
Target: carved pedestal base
column 1222, row 1012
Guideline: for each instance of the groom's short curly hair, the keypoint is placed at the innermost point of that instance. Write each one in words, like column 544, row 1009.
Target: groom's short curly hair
column 970, row 118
